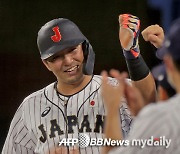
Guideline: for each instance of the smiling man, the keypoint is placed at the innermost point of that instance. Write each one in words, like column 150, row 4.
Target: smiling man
column 67, row 66
column 73, row 105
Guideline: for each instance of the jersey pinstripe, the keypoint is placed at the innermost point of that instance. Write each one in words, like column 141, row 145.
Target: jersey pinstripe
column 156, row 120
column 46, row 116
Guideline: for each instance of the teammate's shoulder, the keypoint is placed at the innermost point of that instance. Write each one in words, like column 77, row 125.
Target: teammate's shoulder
column 38, row 93
column 161, row 107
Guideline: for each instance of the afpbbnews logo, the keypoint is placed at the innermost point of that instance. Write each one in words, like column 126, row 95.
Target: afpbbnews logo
column 84, row 141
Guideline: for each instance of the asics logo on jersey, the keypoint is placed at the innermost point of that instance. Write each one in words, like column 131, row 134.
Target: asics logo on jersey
column 46, row 111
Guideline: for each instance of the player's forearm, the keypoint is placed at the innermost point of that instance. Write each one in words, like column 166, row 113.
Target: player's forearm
column 113, row 125
column 112, row 128
column 147, row 88
column 141, row 77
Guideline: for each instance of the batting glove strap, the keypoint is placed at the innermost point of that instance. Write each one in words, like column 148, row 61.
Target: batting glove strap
column 132, row 53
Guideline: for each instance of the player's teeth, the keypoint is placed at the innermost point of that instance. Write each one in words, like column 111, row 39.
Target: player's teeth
column 73, row 68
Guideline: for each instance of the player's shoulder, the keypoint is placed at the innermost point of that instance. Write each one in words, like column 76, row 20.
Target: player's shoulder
column 97, row 79
column 39, row 93
column 30, row 98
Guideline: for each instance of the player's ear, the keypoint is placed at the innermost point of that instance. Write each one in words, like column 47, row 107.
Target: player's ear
column 45, row 62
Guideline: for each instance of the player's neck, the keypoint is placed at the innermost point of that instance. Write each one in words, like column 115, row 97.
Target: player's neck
column 70, row 89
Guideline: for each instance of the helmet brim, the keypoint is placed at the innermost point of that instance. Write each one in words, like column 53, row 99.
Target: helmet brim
column 55, row 49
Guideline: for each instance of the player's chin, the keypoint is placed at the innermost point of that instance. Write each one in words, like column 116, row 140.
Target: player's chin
column 73, row 77
column 73, row 80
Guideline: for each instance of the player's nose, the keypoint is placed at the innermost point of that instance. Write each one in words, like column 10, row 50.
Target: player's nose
column 68, row 59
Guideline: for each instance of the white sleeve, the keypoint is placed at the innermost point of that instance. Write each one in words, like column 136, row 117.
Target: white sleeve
column 144, row 127
column 18, row 139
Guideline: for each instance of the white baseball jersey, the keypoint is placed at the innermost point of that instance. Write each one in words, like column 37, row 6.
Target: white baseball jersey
column 46, row 117
column 160, row 122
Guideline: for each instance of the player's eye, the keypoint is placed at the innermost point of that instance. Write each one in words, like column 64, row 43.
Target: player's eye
column 54, row 58
column 73, row 50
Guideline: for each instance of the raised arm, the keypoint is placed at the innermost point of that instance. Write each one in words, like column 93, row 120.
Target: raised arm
column 137, row 68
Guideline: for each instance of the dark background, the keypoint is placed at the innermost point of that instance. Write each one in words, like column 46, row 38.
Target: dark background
column 21, row 70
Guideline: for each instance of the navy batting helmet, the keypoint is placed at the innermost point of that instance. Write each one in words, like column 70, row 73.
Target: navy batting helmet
column 60, row 34
column 171, row 43
column 160, row 75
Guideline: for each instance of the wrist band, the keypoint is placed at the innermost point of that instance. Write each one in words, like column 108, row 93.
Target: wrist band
column 137, row 68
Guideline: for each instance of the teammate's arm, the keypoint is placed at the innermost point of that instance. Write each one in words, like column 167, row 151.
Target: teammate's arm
column 138, row 70
column 154, row 34
column 112, row 96
column 63, row 150
column 135, row 101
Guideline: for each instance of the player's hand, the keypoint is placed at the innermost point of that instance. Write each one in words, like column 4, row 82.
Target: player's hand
column 112, row 94
column 128, row 35
column 134, row 99
column 63, row 150
column 154, row 34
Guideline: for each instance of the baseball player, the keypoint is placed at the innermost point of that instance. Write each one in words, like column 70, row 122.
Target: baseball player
column 72, row 105
column 157, row 121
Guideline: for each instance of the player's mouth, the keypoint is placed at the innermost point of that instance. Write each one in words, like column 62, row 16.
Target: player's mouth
column 72, row 70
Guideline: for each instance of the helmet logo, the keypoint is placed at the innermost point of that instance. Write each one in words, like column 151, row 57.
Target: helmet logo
column 57, row 37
